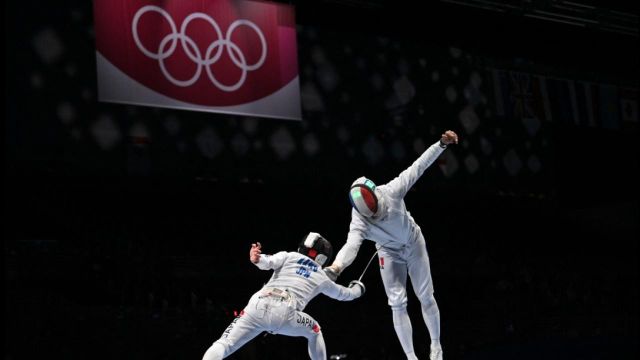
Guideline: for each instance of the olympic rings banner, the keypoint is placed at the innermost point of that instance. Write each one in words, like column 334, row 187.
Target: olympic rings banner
column 227, row 56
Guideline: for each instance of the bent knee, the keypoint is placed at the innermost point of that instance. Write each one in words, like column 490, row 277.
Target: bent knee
column 397, row 300
column 398, row 306
column 429, row 303
column 313, row 332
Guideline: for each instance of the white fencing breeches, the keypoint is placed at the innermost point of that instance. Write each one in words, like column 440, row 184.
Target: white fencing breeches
column 273, row 315
column 395, row 265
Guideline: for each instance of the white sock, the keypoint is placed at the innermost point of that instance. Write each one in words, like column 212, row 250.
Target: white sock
column 402, row 325
column 317, row 348
column 431, row 315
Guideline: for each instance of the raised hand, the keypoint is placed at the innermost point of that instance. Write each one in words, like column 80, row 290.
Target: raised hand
column 449, row 137
column 254, row 253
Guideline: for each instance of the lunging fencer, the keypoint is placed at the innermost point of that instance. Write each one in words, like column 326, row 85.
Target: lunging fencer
column 379, row 214
column 277, row 307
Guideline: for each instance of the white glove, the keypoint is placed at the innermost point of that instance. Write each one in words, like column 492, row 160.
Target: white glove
column 358, row 283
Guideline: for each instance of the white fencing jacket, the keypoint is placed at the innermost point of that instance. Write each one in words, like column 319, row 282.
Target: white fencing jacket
column 394, row 226
column 303, row 278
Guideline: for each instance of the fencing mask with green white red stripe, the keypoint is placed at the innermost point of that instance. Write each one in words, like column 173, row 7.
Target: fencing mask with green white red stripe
column 363, row 197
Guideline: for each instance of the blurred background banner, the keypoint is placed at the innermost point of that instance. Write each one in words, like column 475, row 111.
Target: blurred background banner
column 234, row 57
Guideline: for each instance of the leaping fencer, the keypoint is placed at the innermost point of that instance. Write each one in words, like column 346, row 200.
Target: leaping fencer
column 277, row 307
column 379, row 214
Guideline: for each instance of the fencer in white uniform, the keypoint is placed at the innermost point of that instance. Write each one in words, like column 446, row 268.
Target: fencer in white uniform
column 379, row 214
column 277, row 307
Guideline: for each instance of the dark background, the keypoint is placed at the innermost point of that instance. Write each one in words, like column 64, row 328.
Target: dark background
column 128, row 228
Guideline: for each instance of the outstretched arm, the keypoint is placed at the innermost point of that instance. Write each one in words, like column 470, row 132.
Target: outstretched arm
column 349, row 250
column 401, row 184
column 266, row 262
column 339, row 292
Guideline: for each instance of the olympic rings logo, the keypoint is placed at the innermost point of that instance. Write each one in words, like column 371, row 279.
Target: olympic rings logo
column 169, row 43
